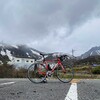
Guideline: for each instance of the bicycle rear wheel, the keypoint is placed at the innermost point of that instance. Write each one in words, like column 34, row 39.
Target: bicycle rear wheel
column 37, row 73
column 66, row 75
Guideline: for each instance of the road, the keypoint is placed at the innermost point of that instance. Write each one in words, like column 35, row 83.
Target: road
column 23, row 89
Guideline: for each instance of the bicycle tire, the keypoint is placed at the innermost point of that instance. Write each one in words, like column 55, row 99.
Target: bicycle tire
column 34, row 73
column 66, row 76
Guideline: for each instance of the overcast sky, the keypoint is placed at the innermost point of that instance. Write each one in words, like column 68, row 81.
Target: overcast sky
column 51, row 25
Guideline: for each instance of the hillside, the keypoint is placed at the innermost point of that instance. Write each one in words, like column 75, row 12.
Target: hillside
column 19, row 51
column 95, row 51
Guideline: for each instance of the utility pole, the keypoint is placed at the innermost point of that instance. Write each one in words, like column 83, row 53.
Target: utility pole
column 73, row 52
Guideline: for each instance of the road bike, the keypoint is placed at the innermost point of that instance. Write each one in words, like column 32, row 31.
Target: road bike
column 60, row 67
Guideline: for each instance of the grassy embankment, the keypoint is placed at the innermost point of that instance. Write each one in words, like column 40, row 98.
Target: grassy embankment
column 87, row 72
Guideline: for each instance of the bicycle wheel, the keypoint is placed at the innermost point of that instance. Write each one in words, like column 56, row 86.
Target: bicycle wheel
column 36, row 73
column 66, row 75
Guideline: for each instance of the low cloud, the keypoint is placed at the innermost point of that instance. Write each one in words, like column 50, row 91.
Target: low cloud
column 43, row 22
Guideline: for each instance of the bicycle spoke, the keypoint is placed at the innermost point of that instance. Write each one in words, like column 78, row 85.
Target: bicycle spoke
column 36, row 73
column 66, row 75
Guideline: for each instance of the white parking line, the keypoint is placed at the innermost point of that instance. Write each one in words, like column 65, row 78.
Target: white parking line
column 7, row 83
column 72, row 93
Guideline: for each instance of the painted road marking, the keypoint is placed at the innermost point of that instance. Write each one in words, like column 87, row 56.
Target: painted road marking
column 72, row 93
column 7, row 83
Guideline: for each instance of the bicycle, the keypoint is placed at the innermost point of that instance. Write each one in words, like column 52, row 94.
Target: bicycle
column 40, row 70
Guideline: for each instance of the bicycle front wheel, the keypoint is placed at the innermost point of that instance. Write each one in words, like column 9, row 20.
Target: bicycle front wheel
column 37, row 73
column 65, row 75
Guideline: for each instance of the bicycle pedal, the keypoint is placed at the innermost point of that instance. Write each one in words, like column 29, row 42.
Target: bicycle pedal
column 44, row 81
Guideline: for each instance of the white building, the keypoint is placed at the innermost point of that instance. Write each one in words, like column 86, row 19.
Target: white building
column 20, row 62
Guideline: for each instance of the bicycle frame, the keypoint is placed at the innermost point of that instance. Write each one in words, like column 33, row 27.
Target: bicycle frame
column 46, row 62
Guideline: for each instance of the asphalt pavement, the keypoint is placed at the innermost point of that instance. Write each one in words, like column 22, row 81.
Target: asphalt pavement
column 89, row 89
column 23, row 89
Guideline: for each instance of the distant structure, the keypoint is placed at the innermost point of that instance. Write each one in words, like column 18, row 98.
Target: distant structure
column 19, row 62
column 73, row 52
column 24, row 61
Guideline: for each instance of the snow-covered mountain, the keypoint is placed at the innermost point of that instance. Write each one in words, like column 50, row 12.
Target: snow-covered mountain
column 22, row 51
column 11, row 52
column 95, row 51
column 18, row 51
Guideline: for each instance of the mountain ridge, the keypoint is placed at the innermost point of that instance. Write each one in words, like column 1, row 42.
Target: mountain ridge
column 23, row 51
column 18, row 51
column 94, row 51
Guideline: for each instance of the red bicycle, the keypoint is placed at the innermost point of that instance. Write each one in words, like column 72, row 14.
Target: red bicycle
column 60, row 67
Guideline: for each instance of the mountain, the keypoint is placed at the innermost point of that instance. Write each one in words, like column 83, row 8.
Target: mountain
column 7, row 52
column 94, row 51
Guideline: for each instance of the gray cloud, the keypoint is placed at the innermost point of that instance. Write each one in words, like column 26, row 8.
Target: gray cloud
column 32, row 20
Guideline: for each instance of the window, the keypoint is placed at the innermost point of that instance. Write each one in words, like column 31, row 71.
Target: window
column 31, row 61
column 17, row 60
column 27, row 61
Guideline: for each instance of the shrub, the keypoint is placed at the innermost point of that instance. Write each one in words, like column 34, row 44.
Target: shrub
column 6, row 71
column 96, row 70
column 22, row 73
column 10, row 71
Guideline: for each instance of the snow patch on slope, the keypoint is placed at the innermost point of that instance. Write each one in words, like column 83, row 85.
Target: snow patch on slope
column 35, row 52
column 27, row 54
column 8, row 53
column 98, row 52
column 15, row 46
column 91, row 53
column 3, row 53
